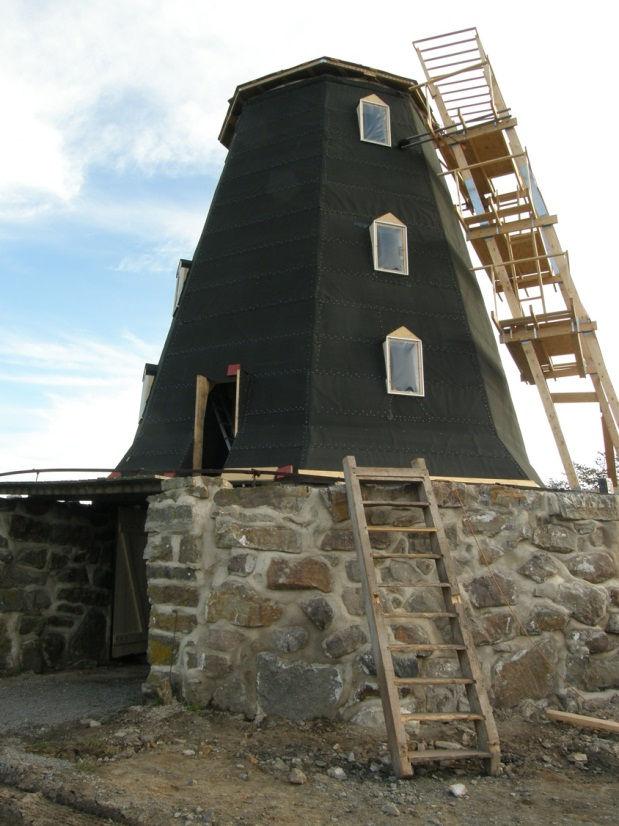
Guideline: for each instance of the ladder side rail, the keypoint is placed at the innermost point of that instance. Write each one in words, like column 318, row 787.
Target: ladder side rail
column 397, row 738
column 486, row 730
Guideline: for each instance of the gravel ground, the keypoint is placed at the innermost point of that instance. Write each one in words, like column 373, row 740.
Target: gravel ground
column 32, row 700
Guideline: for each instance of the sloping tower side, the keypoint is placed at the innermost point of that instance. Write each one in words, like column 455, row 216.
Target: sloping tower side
column 283, row 283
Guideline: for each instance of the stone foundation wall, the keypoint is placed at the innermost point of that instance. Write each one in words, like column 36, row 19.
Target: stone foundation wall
column 55, row 585
column 257, row 605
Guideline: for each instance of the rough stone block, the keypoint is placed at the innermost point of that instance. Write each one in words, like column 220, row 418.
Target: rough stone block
column 303, row 574
column 529, row 673
column 344, row 641
column 594, row 567
column 336, row 502
column 539, row 567
column 288, row 640
column 319, row 611
column 488, row 552
column 341, row 539
column 449, row 494
column 557, row 538
column 354, row 573
column 586, row 603
column 232, row 695
column 190, row 550
column 180, row 573
column 491, row 590
column 613, row 623
column 412, row 634
column 488, row 522
column 242, row 564
column 575, row 505
column 159, row 548
column 546, row 618
column 492, row 628
column 5, row 645
column 222, row 638
column 353, row 601
column 73, row 573
column 603, row 672
column 282, row 498
column 241, row 605
column 169, row 519
column 36, row 599
column 181, row 622
column 168, row 594
column 34, row 557
column 85, row 596
column 24, row 529
column 30, row 624
column 14, row 576
column 297, row 691
column 593, row 639
column 258, row 537
column 161, row 650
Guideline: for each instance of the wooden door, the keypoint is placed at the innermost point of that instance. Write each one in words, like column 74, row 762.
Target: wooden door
column 131, row 608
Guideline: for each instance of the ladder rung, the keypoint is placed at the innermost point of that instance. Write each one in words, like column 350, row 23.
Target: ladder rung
column 406, row 556
column 412, row 646
column 417, row 585
column 439, row 716
column 423, row 615
column 399, row 504
column 394, row 529
column 412, row 585
column 404, row 681
column 429, row 755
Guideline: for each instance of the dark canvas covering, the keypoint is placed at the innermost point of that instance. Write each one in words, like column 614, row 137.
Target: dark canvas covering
column 283, row 284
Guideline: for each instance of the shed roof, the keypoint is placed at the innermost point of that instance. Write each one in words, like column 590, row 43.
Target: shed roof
column 318, row 66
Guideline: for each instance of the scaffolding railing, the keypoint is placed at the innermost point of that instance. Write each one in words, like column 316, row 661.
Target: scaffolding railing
column 541, row 318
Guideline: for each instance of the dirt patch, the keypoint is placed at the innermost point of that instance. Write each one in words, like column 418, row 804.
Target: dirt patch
column 166, row 764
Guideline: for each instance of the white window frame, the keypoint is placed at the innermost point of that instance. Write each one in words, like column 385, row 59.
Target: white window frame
column 376, row 101
column 390, row 220
column 404, row 334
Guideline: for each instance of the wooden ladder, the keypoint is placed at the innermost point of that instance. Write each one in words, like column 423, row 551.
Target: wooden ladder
column 415, row 483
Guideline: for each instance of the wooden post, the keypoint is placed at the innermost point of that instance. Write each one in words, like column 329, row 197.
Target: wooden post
column 609, row 453
column 202, row 390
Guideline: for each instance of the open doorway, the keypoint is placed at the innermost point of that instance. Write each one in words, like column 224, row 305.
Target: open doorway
column 130, row 610
column 216, row 423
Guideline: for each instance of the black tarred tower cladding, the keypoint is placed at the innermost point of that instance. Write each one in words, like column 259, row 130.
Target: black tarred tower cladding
column 284, row 283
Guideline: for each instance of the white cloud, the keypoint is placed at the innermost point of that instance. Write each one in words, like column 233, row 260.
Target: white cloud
column 82, row 411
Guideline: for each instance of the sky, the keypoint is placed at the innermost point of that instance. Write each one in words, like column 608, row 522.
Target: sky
column 109, row 159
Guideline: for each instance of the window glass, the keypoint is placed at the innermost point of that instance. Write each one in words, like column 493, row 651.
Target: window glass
column 405, row 366
column 375, row 123
column 391, row 242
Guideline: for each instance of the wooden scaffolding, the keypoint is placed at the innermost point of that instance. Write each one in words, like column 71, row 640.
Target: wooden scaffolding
column 544, row 323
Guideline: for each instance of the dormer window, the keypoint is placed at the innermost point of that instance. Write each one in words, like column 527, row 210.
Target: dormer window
column 374, row 121
column 148, row 379
column 404, row 363
column 182, row 272
column 389, row 244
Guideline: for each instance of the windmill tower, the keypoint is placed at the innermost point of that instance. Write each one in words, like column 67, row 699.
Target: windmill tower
column 541, row 318
column 330, row 307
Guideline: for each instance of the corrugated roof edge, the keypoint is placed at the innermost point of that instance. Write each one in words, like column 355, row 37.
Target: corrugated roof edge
column 321, row 65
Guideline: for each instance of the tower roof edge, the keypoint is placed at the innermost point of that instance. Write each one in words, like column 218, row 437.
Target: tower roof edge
column 312, row 68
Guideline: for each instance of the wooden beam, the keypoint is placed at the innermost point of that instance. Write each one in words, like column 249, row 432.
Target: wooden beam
column 573, row 398
column 581, row 721
column 551, row 414
column 511, row 226
column 202, row 390
column 609, row 453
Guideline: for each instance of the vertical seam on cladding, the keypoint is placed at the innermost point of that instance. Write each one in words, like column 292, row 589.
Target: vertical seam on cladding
column 314, row 339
